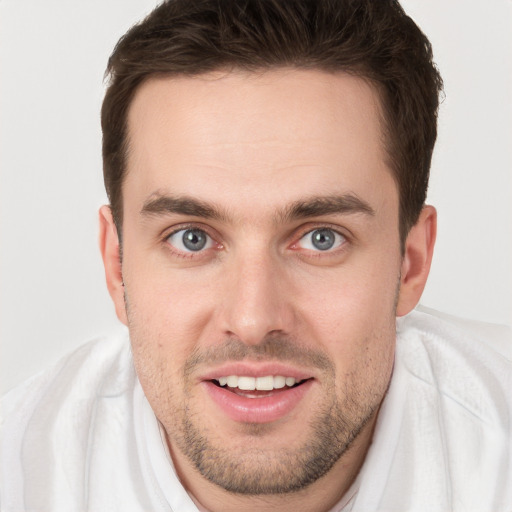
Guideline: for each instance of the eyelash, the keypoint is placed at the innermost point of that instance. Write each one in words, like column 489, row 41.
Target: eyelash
column 191, row 254
column 293, row 246
column 322, row 254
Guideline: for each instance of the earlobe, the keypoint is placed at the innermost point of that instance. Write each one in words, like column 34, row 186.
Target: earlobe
column 110, row 252
column 419, row 249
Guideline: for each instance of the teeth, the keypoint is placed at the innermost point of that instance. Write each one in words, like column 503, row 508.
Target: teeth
column 279, row 382
column 232, row 381
column 267, row 383
column 290, row 381
column 246, row 383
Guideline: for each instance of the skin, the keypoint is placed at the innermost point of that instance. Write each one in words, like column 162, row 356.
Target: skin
column 254, row 148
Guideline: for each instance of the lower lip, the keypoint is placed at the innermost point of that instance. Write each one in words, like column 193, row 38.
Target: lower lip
column 257, row 410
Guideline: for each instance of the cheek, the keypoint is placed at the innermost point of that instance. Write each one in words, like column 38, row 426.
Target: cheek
column 353, row 317
column 171, row 304
column 160, row 343
column 361, row 297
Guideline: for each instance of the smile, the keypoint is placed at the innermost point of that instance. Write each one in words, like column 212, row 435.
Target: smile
column 247, row 383
column 257, row 399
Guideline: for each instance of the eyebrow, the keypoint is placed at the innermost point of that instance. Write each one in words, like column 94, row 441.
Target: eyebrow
column 327, row 205
column 159, row 204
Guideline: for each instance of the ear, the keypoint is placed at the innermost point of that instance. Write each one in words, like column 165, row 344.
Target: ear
column 419, row 248
column 109, row 247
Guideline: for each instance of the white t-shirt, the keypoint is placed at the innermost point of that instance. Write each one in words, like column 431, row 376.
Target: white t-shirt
column 82, row 436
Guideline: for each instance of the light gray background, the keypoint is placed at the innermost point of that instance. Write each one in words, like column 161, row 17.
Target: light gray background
column 53, row 54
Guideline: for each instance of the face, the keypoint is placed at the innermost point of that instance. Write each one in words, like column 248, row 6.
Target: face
column 261, row 267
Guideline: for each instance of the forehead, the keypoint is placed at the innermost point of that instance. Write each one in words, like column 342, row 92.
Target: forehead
column 242, row 133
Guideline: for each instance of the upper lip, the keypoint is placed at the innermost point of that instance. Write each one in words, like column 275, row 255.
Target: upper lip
column 256, row 369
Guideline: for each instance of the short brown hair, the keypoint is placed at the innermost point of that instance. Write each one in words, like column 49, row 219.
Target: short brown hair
column 373, row 39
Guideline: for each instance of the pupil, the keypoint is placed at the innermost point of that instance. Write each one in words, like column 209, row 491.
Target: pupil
column 194, row 240
column 323, row 239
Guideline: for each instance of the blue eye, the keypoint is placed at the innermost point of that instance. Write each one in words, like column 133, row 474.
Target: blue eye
column 190, row 240
column 322, row 239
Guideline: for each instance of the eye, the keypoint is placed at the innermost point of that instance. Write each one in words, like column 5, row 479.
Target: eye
column 322, row 239
column 190, row 240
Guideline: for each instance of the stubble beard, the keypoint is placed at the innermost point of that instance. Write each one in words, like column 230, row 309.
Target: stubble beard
column 256, row 471
column 248, row 468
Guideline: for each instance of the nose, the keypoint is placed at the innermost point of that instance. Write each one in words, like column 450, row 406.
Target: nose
column 256, row 302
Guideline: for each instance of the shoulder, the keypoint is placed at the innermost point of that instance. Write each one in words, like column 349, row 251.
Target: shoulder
column 80, row 373
column 482, row 335
column 455, row 383
column 50, row 424
column 468, row 363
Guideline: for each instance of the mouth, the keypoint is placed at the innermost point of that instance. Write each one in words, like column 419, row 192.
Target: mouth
column 246, row 398
column 257, row 387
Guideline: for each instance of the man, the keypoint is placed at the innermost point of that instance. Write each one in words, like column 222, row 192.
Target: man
column 266, row 165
